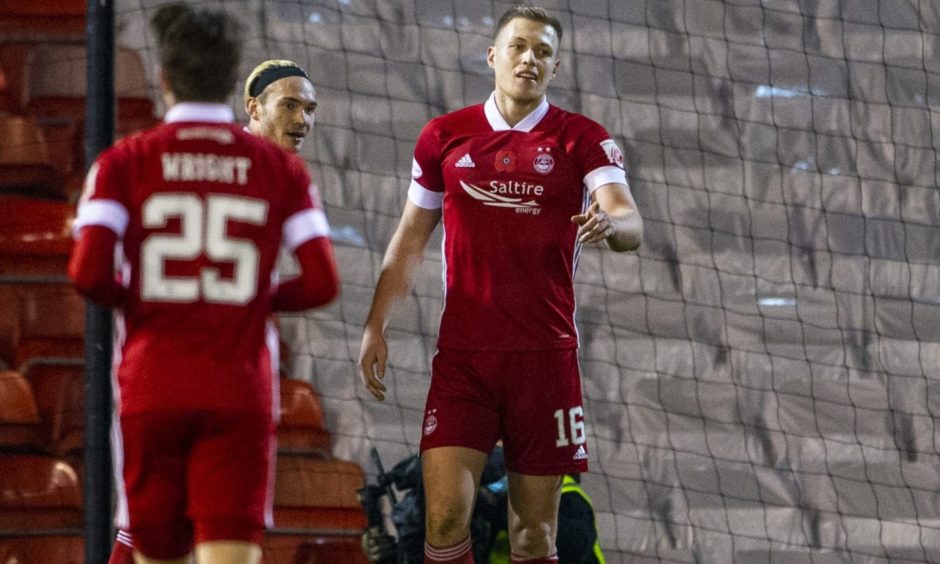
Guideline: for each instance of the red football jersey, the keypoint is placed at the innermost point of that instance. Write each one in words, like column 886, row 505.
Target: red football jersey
column 200, row 208
column 508, row 194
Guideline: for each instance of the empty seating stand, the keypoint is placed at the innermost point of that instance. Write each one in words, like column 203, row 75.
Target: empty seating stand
column 35, row 237
column 59, row 389
column 25, row 165
column 301, row 429
column 314, row 550
column 47, row 17
column 14, row 70
column 317, row 515
column 19, row 416
column 51, row 324
column 316, row 493
column 40, row 505
column 40, row 492
column 46, row 548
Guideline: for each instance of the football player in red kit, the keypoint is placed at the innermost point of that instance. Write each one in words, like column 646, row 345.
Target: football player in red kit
column 280, row 101
column 192, row 214
column 519, row 185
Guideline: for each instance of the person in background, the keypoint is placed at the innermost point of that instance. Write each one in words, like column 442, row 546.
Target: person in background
column 521, row 185
column 196, row 209
column 280, row 101
column 577, row 539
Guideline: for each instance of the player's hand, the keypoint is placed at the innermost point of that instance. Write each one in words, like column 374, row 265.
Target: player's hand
column 372, row 357
column 593, row 225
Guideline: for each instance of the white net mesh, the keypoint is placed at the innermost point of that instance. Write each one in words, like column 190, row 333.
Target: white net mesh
column 761, row 378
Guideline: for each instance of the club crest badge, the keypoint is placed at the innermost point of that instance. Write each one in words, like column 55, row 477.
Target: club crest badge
column 430, row 424
column 543, row 163
column 614, row 155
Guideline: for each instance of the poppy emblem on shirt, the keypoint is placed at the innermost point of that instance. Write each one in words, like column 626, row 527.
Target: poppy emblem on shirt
column 505, row 161
column 543, row 163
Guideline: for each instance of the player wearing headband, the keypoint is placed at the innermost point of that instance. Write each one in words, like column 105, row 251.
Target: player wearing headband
column 280, row 100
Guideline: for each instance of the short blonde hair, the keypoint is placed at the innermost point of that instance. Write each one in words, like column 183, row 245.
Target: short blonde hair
column 269, row 64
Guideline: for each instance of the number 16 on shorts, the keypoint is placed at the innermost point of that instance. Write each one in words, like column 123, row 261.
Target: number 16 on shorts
column 570, row 426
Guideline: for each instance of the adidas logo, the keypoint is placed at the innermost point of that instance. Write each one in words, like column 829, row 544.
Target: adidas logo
column 581, row 453
column 465, row 162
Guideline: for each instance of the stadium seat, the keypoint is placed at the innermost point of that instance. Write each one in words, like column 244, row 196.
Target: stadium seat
column 301, row 428
column 329, row 550
column 14, row 70
column 315, row 493
column 38, row 492
column 43, row 549
column 294, row 548
column 19, row 415
column 9, row 324
column 35, row 237
column 52, row 323
column 25, row 166
column 43, row 17
column 133, row 112
column 59, row 390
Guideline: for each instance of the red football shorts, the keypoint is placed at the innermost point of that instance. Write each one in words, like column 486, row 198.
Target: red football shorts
column 195, row 476
column 529, row 399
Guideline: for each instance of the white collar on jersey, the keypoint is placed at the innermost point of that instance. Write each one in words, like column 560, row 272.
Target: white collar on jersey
column 527, row 124
column 201, row 112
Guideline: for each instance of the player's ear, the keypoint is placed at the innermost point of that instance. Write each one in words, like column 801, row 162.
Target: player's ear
column 491, row 57
column 166, row 89
column 555, row 69
column 251, row 107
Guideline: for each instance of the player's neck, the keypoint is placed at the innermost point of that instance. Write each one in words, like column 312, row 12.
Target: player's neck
column 514, row 111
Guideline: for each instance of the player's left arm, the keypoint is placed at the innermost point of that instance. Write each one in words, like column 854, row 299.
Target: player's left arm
column 318, row 283
column 613, row 217
column 306, row 233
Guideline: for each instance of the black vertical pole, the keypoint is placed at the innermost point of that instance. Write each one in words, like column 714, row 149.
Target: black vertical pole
column 99, row 134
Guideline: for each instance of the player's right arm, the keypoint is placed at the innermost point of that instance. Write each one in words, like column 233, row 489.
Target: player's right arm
column 91, row 266
column 402, row 259
column 101, row 221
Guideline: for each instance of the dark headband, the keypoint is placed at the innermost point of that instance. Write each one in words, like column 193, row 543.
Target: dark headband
column 271, row 74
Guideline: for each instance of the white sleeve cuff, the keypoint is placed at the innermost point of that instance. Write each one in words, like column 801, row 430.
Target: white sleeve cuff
column 424, row 198
column 107, row 213
column 605, row 175
column 304, row 226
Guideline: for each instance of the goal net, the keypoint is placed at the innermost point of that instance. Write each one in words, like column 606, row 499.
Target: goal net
column 761, row 377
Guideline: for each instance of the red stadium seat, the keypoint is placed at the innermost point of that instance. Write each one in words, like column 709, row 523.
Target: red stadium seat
column 52, row 323
column 311, row 549
column 19, row 416
column 301, row 428
column 330, row 550
column 14, row 68
column 58, row 109
column 43, row 549
column 9, row 324
column 314, row 493
column 43, row 16
column 38, row 492
column 133, row 112
column 59, row 390
column 25, row 166
column 64, row 141
column 35, row 236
